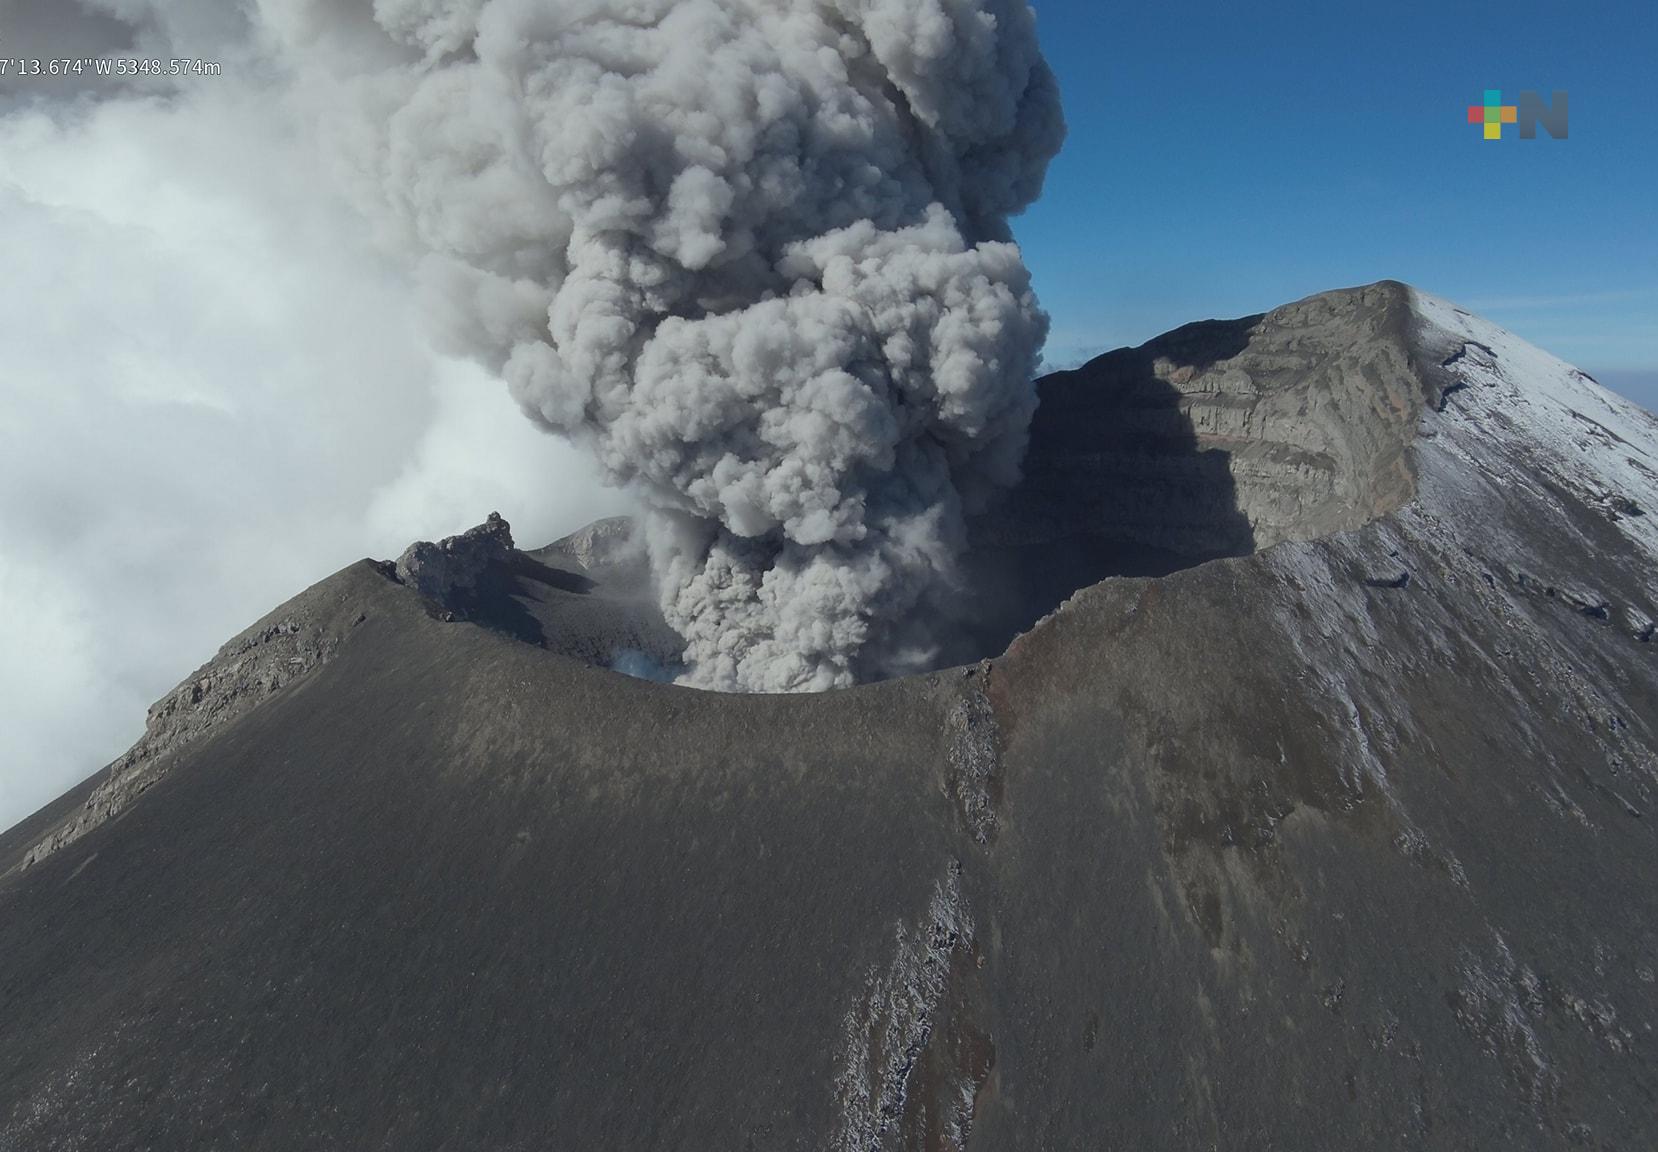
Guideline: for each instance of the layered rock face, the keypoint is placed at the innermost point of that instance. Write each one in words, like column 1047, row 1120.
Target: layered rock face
column 1218, row 439
column 1340, row 840
column 1225, row 437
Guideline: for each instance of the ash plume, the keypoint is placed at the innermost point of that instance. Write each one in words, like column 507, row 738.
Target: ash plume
column 752, row 254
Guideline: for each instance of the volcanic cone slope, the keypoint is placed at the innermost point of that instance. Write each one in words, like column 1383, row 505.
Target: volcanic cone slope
column 1346, row 842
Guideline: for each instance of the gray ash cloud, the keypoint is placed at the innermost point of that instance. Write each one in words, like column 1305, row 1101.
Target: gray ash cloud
column 755, row 257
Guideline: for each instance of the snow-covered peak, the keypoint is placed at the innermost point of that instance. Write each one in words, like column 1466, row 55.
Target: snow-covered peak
column 1507, row 407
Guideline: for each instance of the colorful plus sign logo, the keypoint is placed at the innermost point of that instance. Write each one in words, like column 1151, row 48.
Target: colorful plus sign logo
column 1493, row 114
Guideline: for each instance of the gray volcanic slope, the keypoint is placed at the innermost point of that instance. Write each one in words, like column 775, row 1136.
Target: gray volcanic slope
column 1322, row 817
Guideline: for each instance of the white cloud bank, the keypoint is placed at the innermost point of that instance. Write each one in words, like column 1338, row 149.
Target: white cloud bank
column 213, row 392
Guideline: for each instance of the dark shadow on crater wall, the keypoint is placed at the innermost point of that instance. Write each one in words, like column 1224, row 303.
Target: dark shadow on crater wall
column 1117, row 483
column 501, row 596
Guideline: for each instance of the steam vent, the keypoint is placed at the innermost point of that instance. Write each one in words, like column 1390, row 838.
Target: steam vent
column 1295, row 788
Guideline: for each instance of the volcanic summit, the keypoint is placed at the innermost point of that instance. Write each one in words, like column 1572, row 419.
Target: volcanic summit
column 1291, row 783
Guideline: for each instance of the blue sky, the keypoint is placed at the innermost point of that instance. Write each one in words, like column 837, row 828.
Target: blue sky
column 1226, row 158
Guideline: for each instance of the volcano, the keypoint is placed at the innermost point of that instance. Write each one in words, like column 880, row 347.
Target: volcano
column 1294, row 786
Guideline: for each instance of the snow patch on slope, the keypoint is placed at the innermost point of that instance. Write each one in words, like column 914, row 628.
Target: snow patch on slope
column 1593, row 443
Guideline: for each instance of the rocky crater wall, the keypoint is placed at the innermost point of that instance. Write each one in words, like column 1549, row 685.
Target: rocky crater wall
column 1225, row 437
column 1221, row 438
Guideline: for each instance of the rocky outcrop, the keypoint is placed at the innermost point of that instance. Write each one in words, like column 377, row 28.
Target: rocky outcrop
column 453, row 572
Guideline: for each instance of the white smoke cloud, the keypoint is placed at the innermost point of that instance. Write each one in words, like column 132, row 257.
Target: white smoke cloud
column 752, row 255
column 214, row 392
